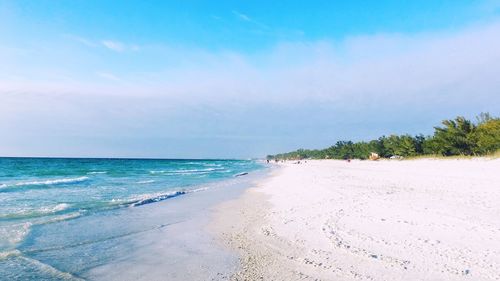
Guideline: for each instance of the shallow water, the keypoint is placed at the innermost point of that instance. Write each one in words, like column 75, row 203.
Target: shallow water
column 64, row 219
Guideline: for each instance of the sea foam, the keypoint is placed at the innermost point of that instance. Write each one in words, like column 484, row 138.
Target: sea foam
column 36, row 212
column 46, row 182
column 187, row 171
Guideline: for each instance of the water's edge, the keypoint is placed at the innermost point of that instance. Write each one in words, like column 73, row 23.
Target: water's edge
column 159, row 235
column 165, row 240
column 190, row 251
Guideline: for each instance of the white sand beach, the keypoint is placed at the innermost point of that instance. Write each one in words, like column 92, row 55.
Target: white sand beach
column 386, row 220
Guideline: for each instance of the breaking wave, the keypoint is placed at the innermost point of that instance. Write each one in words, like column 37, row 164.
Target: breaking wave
column 34, row 213
column 187, row 171
column 25, row 184
column 153, row 198
column 146, row 181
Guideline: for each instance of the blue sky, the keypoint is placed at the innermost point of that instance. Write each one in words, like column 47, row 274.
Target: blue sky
column 237, row 78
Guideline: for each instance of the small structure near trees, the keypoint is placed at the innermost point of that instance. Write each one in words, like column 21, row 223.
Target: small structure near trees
column 374, row 156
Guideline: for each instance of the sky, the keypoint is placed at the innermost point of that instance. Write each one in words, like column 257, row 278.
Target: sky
column 237, row 79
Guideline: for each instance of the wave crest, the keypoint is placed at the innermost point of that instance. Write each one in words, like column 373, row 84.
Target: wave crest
column 7, row 254
column 187, row 171
column 146, row 181
column 34, row 213
column 42, row 182
column 157, row 198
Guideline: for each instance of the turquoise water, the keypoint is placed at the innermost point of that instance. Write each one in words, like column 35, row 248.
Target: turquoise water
column 61, row 217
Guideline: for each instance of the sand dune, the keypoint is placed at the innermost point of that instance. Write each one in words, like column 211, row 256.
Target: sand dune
column 385, row 220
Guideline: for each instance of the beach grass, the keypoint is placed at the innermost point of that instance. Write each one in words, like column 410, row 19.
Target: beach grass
column 494, row 155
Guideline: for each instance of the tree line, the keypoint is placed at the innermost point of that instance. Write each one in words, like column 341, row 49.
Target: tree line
column 457, row 136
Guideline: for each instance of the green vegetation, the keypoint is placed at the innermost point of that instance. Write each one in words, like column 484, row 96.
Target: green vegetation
column 457, row 137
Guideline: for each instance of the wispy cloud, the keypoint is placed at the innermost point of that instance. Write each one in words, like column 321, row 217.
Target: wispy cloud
column 242, row 16
column 82, row 40
column 109, row 44
column 118, row 46
column 113, row 45
column 248, row 19
column 108, row 76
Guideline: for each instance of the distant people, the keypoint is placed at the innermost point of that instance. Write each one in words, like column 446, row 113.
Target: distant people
column 267, row 161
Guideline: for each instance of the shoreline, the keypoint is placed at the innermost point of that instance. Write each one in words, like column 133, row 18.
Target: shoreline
column 160, row 236
column 430, row 219
column 184, row 249
column 234, row 220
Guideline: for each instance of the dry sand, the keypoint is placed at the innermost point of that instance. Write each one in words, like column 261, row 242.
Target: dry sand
column 386, row 220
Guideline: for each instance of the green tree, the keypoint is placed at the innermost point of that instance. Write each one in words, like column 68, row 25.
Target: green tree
column 419, row 144
column 378, row 147
column 405, row 146
column 487, row 136
column 456, row 137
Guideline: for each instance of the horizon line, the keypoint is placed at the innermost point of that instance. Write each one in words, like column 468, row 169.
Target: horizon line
column 130, row 158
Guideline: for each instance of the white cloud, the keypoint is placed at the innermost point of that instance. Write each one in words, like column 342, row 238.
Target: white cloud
column 113, row 45
column 241, row 16
column 439, row 71
column 84, row 41
column 248, row 19
column 295, row 94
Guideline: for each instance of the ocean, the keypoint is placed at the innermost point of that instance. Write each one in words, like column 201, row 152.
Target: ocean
column 112, row 219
